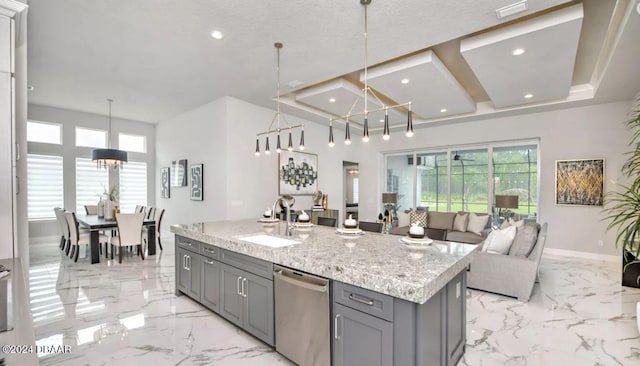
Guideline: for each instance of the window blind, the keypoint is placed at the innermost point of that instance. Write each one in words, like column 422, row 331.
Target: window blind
column 133, row 186
column 91, row 182
column 44, row 187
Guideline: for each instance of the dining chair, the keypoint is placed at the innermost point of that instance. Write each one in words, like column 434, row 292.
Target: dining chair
column 76, row 238
column 327, row 221
column 91, row 209
column 150, row 214
column 129, row 233
column 63, row 227
column 158, row 221
column 375, row 227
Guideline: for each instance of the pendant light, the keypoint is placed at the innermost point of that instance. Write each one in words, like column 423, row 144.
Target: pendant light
column 276, row 120
column 112, row 158
column 366, row 91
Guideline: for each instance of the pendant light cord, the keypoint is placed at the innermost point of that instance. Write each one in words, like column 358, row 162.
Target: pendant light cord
column 366, row 50
column 278, row 46
column 109, row 132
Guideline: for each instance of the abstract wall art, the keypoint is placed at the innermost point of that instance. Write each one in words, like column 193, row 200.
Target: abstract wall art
column 165, row 182
column 197, row 189
column 580, row 182
column 179, row 173
column 297, row 173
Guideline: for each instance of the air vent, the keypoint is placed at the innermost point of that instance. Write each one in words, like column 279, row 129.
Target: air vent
column 512, row 9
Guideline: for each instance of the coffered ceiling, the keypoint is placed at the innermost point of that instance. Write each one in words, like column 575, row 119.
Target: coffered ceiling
column 157, row 60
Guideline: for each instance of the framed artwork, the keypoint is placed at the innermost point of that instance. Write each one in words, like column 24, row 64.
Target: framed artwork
column 580, row 182
column 165, row 182
column 196, row 182
column 179, row 173
column 297, row 173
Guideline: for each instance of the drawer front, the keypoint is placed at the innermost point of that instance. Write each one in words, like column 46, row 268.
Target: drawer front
column 188, row 244
column 210, row 251
column 249, row 264
column 367, row 301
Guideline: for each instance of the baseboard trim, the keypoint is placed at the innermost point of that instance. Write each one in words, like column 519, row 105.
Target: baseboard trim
column 585, row 255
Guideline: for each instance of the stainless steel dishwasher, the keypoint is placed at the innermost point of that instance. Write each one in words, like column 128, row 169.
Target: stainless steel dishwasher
column 302, row 317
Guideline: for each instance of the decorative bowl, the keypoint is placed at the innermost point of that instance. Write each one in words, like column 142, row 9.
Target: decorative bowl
column 350, row 226
column 304, row 221
column 417, row 236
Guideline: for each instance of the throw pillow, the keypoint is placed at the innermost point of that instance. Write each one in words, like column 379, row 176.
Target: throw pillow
column 477, row 223
column 509, row 222
column 524, row 241
column 419, row 217
column 499, row 241
column 403, row 219
column 460, row 222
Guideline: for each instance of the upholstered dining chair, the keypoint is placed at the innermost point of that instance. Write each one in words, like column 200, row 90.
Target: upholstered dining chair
column 158, row 221
column 327, row 221
column 375, row 227
column 63, row 227
column 76, row 238
column 129, row 233
column 91, row 209
column 139, row 209
column 151, row 213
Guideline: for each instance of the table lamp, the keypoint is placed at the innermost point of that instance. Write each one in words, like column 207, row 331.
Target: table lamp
column 504, row 203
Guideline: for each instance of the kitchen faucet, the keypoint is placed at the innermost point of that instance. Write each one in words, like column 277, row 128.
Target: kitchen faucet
column 287, row 205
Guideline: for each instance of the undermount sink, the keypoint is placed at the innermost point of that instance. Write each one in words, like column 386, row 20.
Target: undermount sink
column 269, row 241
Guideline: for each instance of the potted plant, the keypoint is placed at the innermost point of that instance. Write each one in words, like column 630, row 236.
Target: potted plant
column 623, row 209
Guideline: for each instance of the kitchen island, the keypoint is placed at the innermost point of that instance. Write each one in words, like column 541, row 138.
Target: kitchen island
column 409, row 301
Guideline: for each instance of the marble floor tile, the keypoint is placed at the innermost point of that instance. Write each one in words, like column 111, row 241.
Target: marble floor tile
column 127, row 314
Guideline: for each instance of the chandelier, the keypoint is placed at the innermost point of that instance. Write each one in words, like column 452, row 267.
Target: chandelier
column 112, row 158
column 276, row 120
column 365, row 94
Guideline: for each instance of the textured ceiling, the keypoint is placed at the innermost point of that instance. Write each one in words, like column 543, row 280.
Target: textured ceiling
column 157, row 60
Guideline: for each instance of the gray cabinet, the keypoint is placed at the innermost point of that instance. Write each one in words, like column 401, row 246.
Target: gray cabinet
column 360, row 338
column 231, row 300
column 210, row 293
column 456, row 318
column 188, row 268
column 247, row 301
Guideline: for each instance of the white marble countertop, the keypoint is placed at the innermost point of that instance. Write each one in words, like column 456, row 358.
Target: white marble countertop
column 378, row 262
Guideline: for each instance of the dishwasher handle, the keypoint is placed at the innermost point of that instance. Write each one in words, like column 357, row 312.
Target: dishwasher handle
column 283, row 276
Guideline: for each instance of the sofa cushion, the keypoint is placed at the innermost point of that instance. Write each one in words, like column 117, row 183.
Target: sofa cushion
column 460, row 222
column 466, row 237
column 403, row 219
column 524, row 241
column 441, row 220
column 419, row 217
column 477, row 223
column 499, row 241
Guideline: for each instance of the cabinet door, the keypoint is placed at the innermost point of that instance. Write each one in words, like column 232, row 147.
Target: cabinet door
column 258, row 307
column 231, row 300
column 194, row 262
column 456, row 322
column 182, row 274
column 210, row 294
column 361, row 339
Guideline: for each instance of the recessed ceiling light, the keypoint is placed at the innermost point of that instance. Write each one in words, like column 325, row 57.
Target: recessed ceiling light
column 382, row 121
column 216, row 34
column 443, row 110
column 518, row 51
column 528, row 96
column 332, row 100
column 405, row 81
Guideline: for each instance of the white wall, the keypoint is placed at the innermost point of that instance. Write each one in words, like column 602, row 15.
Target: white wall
column 237, row 184
column 69, row 121
column 584, row 132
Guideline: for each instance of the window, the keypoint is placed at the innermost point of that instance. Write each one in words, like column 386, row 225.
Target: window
column 400, row 179
column 515, row 172
column 459, row 179
column 433, row 181
column 44, row 189
column 91, row 138
column 469, row 181
column 133, row 186
column 356, row 190
column 91, row 182
column 134, row 143
column 48, row 133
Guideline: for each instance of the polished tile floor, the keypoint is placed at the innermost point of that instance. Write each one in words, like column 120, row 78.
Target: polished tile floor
column 111, row 314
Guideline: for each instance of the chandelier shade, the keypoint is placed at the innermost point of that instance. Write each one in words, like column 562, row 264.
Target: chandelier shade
column 109, row 158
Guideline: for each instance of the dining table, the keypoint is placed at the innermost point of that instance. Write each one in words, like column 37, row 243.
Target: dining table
column 95, row 224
